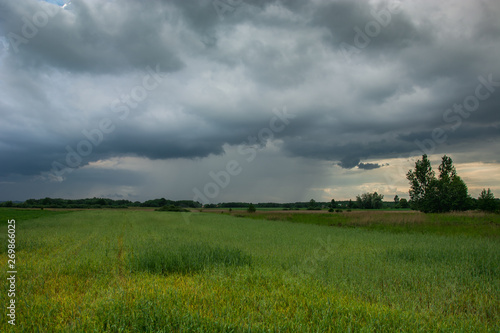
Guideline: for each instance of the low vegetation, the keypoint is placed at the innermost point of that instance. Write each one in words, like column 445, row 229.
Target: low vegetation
column 171, row 208
column 463, row 223
column 145, row 271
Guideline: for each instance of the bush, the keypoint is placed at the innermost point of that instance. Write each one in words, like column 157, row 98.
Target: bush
column 171, row 208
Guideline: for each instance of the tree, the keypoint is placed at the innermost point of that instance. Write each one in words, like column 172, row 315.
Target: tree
column 459, row 197
column 369, row 201
column 251, row 208
column 452, row 189
column 403, row 203
column 396, row 201
column 420, row 184
column 486, row 201
column 350, row 204
column 312, row 205
column 447, row 174
column 333, row 204
column 429, row 194
column 377, row 200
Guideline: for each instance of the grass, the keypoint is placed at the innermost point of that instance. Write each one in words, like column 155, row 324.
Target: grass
column 163, row 258
column 145, row 271
column 27, row 214
column 464, row 223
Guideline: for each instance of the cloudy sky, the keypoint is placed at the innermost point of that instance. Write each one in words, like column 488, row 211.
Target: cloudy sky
column 232, row 100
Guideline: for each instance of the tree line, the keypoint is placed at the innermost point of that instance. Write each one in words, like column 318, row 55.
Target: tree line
column 428, row 193
column 363, row 201
column 99, row 203
column 446, row 192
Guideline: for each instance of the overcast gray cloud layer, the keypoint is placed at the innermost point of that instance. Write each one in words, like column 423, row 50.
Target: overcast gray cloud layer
column 168, row 80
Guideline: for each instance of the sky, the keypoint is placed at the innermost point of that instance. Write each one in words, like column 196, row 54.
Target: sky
column 255, row 101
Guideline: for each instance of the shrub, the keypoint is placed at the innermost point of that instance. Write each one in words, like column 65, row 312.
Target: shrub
column 171, row 208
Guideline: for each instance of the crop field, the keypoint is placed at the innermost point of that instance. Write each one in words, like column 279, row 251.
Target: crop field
column 146, row 271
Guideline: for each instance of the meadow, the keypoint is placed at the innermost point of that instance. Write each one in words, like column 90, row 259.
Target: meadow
column 147, row 271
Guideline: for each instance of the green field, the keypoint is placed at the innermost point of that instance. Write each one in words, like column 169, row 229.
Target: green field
column 146, row 271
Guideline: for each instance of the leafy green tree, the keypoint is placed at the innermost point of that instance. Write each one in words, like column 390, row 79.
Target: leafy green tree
column 421, row 183
column 350, row 204
column 162, row 202
column 447, row 174
column 333, row 204
column 403, row 203
column 101, row 201
column 377, row 202
column 429, row 194
column 369, row 200
column 312, row 205
column 486, row 201
column 396, row 201
column 251, row 208
column 459, row 196
column 453, row 192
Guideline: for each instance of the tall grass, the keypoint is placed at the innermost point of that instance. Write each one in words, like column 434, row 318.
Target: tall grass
column 457, row 223
column 135, row 271
column 186, row 258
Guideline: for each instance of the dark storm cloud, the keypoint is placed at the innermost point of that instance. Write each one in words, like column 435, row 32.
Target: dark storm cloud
column 352, row 162
column 349, row 162
column 344, row 19
column 201, row 16
column 106, row 38
column 222, row 74
column 369, row 166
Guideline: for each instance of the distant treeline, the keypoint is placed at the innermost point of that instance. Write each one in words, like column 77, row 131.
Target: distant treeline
column 311, row 205
column 155, row 203
column 365, row 201
column 98, row 203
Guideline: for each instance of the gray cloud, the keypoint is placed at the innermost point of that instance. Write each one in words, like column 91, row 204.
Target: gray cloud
column 349, row 162
column 93, row 37
column 222, row 77
column 369, row 166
